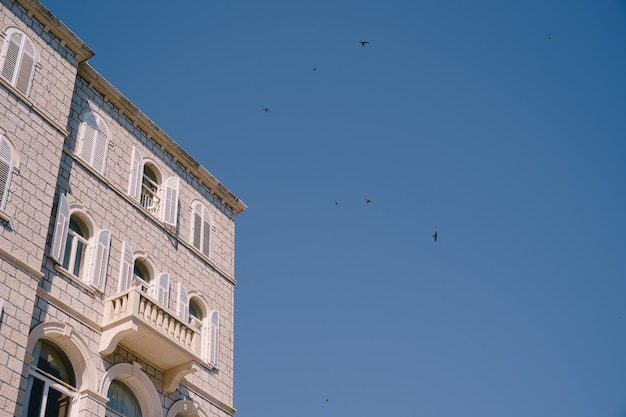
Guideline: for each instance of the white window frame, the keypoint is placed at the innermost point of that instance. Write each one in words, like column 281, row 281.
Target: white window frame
column 93, row 143
column 19, row 71
column 159, row 198
column 201, row 228
column 97, row 247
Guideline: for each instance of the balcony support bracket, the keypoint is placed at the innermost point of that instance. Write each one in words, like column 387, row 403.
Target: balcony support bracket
column 173, row 376
column 111, row 337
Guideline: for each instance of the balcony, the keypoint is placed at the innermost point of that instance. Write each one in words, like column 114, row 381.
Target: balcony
column 136, row 321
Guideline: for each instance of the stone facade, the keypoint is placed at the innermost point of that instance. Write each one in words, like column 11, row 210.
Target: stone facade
column 116, row 246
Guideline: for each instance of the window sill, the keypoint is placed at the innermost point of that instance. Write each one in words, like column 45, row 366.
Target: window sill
column 67, row 274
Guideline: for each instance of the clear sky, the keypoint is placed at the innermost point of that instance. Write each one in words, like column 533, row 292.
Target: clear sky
column 501, row 124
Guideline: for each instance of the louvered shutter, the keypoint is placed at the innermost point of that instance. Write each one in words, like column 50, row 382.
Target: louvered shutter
column 100, row 261
column 101, row 148
column 136, row 172
column 6, row 165
column 90, row 130
column 162, row 294
column 182, row 306
column 9, row 63
column 214, row 331
column 126, row 268
column 206, row 232
column 197, row 226
column 26, row 68
column 170, row 203
column 60, row 229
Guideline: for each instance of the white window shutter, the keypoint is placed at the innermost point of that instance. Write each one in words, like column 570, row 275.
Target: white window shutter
column 170, row 203
column 60, row 229
column 11, row 56
column 6, row 165
column 196, row 232
column 182, row 307
column 100, row 260
column 214, row 332
column 26, row 69
column 136, row 172
column 101, row 148
column 88, row 138
column 206, row 234
column 162, row 292
column 126, row 268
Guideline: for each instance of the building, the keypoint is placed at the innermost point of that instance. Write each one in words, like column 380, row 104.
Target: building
column 116, row 246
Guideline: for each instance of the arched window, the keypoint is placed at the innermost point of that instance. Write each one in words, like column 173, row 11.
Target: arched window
column 75, row 246
column 51, row 383
column 93, row 142
column 122, row 401
column 17, row 63
column 192, row 309
column 157, row 196
column 82, row 253
column 201, row 228
column 7, row 161
column 139, row 269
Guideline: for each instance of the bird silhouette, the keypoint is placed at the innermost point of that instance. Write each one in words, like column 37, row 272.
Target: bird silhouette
column 266, row 110
column 367, row 201
column 549, row 37
column 435, row 235
column 363, row 43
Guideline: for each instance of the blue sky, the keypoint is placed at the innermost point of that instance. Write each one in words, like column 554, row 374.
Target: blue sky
column 499, row 124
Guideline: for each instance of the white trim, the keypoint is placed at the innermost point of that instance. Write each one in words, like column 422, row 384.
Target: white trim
column 133, row 376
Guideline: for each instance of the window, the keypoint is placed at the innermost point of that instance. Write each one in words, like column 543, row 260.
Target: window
column 75, row 246
column 17, row 63
column 160, row 198
column 201, row 229
column 122, row 401
column 80, row 253
column 191, row 309
column 6, row 169
column 93, row 141
column 51, row 383
column 139, row 269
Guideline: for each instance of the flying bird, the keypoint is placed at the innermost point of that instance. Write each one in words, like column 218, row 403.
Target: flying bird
column 363, row 43
column 435, row 235
column 266, row 110
column 367, row 201
column 549, row 37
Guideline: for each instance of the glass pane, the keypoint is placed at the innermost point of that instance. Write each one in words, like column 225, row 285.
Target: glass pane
column 122, row 400
column 35, row 394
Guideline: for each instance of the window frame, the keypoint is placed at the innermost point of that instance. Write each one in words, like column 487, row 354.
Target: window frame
column 93, row 271
column 93, row 141
column 200, row 216
column 18, row 73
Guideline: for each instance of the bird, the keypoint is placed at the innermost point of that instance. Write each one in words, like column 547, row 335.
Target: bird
column 549, row 36
column 337, row 203
column 363, row 43
column 367, row 201
column 314, row 69
column 435, row 235
column 326, row 400
column 266, row 110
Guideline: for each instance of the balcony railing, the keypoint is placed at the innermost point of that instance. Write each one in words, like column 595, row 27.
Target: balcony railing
column 151, row 331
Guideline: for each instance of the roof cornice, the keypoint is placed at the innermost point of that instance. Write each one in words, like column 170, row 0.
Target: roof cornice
column 154, row 132
column 53, row 25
